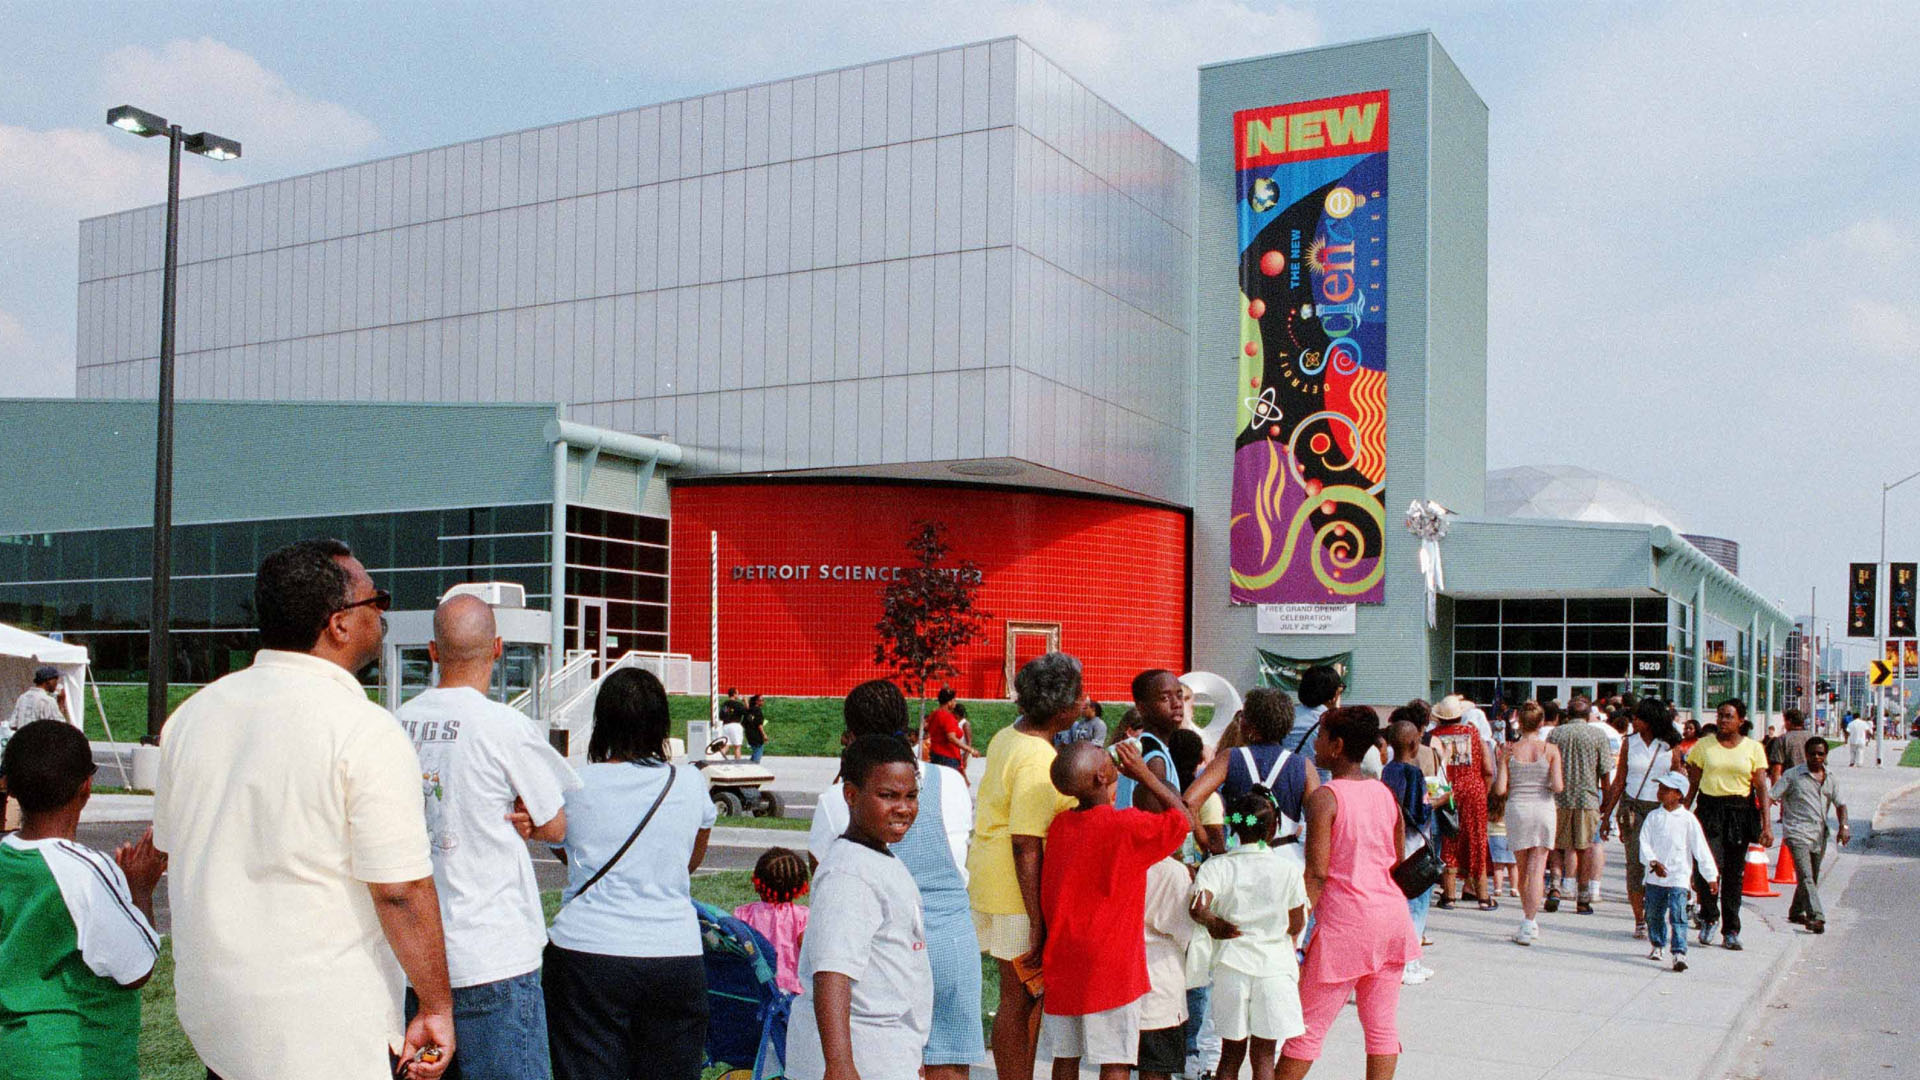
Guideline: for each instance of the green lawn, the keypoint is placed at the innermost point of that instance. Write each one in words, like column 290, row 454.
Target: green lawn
column 1911, row 758
column 796, row 727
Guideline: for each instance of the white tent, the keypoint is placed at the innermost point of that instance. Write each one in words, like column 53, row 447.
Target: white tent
column 22, row 651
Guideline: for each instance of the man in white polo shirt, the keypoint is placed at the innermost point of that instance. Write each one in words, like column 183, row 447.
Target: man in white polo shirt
column 483, row 764
column 290, row 808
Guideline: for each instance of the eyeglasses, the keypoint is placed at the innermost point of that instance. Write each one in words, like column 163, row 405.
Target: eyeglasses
column 381, row 600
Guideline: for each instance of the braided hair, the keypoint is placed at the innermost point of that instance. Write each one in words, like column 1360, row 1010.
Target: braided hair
column 1252, row 815
column 780, row 876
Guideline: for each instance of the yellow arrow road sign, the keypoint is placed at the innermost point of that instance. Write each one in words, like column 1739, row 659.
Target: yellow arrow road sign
column 1879, row 672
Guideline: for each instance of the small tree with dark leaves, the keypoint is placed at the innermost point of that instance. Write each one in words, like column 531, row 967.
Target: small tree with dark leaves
column 928, row 613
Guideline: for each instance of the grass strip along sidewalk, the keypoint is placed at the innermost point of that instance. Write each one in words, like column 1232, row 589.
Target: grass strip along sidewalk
column 165, row 1053
column 796, row 727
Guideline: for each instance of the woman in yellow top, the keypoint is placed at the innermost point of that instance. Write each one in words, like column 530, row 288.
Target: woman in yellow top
column 1729, row 774
column 1017, row 804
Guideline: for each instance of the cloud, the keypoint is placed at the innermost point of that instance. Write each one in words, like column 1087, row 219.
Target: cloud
column 32, row 365
column 52, row 178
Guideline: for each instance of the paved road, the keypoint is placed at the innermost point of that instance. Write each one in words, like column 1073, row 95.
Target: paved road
column 1846, row 1008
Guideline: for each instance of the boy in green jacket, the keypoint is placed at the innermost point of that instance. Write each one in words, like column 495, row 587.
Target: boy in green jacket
column 76, row 927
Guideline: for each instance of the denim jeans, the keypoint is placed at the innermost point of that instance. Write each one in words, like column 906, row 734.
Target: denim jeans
column 1667, row 910
column 759, row 752
column 1417, row 907
column 500, row 1028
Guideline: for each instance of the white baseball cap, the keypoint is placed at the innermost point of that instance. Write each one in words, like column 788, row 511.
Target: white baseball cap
column 1675, row 780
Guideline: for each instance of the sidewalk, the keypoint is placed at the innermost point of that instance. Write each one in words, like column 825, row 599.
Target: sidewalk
column 1584, row 1003
column 797, row 780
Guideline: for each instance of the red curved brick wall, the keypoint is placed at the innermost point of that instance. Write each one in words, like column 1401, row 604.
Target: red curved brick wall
column 1112, row 574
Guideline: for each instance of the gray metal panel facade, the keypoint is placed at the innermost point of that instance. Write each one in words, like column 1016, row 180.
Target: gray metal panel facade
column 89, row 464
column 955, row 255
column 1429, row 314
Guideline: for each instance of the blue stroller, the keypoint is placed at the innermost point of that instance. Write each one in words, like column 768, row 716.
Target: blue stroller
column 747, row 1010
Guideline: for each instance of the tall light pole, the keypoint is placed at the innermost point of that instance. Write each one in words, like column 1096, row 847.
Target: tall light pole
column 1879, row 718
column 160, row 620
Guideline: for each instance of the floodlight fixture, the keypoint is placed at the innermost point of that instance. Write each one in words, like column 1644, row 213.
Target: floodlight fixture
column 138, row 121
column 207, row 144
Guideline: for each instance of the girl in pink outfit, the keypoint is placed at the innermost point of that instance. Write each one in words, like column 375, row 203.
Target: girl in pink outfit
column 1363, row 936
column 780, row 878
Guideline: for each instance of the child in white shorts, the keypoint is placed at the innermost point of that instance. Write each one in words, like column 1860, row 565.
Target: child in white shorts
column 1253, row 903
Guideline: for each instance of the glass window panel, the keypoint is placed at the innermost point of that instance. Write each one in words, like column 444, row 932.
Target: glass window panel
column 519, row 549
column 1473, row 664
column 587, row 520
column 193, row 549
column 652, row 560
column 1476, row 637
column 416, row 540
column 649, row 588
column 233, row 548
column 1650, row 609
column 529, row 517
column 619, row 556
column 1598, row 638
column 1476, row 612
column 76, row 554
column 232, row 601
column 651, row 530
column 1476, row 689
column 191, row 599
column 1534, row 611
column 1650, row 638
column 586, row 551
column 1532, row 638
column 1522, row 665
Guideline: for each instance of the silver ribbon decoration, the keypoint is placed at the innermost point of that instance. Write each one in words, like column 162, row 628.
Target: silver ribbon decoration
column 1427, row 520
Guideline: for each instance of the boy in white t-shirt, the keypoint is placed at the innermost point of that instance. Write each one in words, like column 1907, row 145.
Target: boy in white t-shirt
column 866, row 998
column 490, row 782
column 1672, row 845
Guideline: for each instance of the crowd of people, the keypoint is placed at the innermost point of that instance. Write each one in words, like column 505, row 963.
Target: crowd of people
column 354, row 897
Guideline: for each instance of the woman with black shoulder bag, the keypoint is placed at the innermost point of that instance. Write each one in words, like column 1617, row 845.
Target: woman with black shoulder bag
column 626, row 986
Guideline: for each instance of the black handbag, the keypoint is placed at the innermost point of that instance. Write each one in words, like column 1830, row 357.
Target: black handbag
column 1446, row 820
column 1420, row 870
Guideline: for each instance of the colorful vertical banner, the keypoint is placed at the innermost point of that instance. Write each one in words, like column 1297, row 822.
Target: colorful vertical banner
column 1910, row 653
column 1863, row 591
column 1900, row 590
column 1308, row 523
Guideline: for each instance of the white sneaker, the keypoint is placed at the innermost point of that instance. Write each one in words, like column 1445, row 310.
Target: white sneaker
column 1656, row 954
column 1527, row 934
column 1429, row 971
column 1414, row 976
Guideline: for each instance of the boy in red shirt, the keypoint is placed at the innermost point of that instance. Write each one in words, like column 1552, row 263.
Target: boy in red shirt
column 1093, row 889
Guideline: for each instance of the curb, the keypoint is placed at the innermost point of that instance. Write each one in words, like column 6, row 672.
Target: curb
column 1739, row 1035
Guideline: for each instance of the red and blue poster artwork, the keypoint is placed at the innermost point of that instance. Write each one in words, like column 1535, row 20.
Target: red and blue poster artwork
column 1310, row 454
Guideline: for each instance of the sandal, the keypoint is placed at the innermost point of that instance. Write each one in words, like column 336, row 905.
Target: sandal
column 1553, row 900
column 1489, row 904
column 1445, row 903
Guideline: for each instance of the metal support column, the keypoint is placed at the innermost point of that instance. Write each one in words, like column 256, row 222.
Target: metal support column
column 1700, row 652
column 1753, row 668
column 557, row 571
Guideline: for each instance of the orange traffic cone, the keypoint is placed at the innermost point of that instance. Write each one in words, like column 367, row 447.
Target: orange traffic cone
column 1754, row 879
column 1783, row 870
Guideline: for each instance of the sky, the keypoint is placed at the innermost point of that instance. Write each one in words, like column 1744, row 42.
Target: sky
column 1704, row 256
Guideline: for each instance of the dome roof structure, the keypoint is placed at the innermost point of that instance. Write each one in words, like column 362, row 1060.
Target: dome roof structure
column 1570, row 493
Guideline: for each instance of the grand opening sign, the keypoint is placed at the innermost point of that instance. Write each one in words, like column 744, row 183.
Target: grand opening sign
column 1309, row 473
